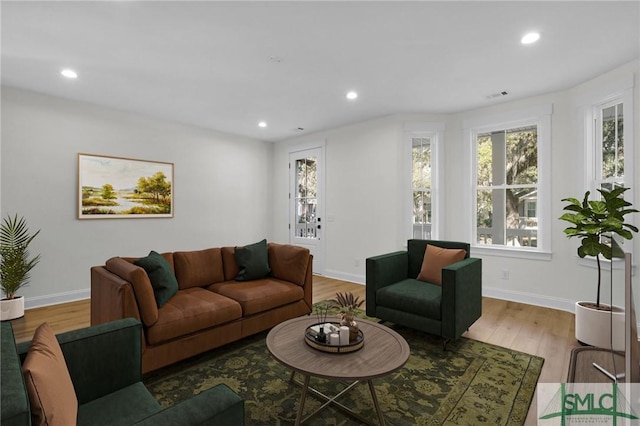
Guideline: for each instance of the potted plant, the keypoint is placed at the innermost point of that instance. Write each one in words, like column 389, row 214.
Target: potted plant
column 592, row 220
column 348, row 303
column 15, row 264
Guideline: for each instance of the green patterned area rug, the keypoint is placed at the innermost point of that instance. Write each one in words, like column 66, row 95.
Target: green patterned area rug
column 471, row 383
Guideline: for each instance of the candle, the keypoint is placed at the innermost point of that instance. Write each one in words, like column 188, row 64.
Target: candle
column 334, row 339
column 344, row 335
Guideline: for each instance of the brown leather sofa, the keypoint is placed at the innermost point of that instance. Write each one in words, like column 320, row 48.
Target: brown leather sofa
column 210, row 308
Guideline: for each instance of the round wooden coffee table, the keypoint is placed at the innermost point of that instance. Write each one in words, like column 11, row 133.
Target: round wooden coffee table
column 384, row 352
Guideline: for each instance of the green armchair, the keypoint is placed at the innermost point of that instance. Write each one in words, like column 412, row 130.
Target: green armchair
column 394, row 294
column 104, row 363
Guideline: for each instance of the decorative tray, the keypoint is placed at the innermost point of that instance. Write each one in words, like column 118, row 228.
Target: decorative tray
column 310, row 338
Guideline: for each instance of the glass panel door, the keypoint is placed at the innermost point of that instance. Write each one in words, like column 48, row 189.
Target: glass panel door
column 306, row 197
column 306, row 225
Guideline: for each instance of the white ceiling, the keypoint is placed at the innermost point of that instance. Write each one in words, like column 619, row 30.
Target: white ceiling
column 208, row 63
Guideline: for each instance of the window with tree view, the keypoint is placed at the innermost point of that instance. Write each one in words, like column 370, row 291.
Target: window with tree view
column 421, row 186
column 507, row 187
column 610, row 146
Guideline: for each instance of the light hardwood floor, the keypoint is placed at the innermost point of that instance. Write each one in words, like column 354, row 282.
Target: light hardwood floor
column 539, row 331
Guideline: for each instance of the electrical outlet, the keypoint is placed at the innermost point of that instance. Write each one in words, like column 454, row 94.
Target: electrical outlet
column 505, row 274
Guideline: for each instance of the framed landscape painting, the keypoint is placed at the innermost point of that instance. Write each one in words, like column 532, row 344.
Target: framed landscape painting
column 116, row 188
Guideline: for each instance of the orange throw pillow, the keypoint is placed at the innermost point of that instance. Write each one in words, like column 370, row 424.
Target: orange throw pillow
column 436, row 258
column 51, row 394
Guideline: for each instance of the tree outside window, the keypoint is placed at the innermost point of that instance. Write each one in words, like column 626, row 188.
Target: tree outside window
column 610, row 146
column 507, row 187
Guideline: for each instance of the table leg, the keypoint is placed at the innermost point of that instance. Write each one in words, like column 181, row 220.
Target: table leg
column 303, row 397
column 375, row 402
column 332, row 401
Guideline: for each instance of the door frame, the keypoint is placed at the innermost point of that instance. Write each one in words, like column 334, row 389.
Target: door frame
column 319, row 257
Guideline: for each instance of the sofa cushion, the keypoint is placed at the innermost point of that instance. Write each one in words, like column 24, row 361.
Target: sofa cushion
column 253, row 261
column 162, row 278
column 229, row 263
column 412, row 296
column 125, row 269
column 289, row 263
column 436, row 258
column 259, row 295
column 198, row 268
column 192, row 310
column 51, row 394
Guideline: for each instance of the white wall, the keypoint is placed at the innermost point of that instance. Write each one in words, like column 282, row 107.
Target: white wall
column 223, row 187
column 230, row 190
column 536, row 281
column 365, row 168
column 365, row 191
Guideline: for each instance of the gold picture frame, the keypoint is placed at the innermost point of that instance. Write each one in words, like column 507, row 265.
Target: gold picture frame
column 123, row 188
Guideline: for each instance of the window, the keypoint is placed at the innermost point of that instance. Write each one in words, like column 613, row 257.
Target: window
column 510, row 183
column 306, row 197
column 609, row 140
column 608, row 135
column 609, row 146
column 425, row 203
column 421, row 186
column 507, row 187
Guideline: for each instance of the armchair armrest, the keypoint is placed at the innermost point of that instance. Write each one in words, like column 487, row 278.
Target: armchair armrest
column 382, row 271
column 461, row 296
column 218, row 405
column 101, row 359
column 14, row 403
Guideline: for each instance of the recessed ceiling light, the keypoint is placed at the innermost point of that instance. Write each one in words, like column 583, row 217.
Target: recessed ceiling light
column 262, row 124
column 530, row 38
column 352, row 95
column 69, row 73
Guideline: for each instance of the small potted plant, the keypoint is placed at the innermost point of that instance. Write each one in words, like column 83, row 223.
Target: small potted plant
column 15, row 264
column 592, row 220
column 347, row 303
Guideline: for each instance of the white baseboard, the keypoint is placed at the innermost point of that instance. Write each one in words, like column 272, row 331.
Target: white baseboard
column 338, row 275
column 530, row 299
column 54, row 299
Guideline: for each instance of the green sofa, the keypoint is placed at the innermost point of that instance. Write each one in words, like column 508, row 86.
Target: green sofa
column 104, row 363
column 394, row 294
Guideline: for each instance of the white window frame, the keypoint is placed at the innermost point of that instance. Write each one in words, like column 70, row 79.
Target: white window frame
column 593, row 148
column 435, row 132
column 540, row 116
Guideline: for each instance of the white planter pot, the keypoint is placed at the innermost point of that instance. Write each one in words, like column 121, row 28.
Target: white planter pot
column 11, row 308
column 593, row 327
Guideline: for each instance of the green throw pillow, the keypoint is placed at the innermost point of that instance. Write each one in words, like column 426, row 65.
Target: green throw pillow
column 163, row 281
column 253, row 261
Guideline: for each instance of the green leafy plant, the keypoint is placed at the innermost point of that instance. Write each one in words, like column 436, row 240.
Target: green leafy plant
column 15, row 265
column 593, row 219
